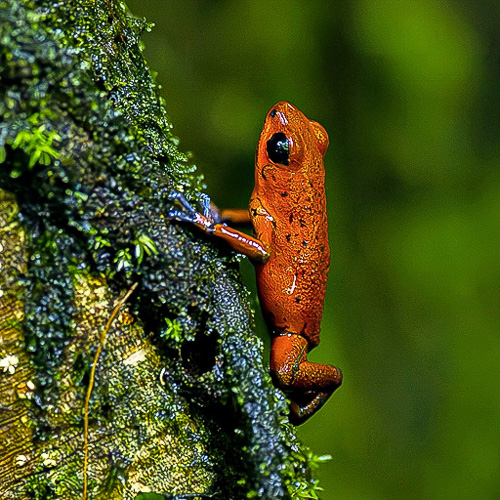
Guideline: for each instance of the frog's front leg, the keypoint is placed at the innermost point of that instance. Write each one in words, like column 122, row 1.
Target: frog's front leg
column 307, row 384
column 208, row 223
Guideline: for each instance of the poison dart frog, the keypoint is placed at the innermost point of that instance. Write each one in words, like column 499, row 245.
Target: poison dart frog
column 290, row 250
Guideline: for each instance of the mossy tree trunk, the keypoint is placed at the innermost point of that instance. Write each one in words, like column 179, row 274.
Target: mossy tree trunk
column 180, row 400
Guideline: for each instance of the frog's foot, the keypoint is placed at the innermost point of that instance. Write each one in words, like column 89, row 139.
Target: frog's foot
column 208, row 222
column 304, row 405
column 308, row 385
column 187, row 213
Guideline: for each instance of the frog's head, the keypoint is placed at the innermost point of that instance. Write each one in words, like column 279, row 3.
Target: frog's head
column 289, row 140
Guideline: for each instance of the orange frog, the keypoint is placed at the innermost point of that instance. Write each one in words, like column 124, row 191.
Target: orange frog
column 290, row 250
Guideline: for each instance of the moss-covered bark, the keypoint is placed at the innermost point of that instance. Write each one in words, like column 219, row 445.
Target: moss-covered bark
column 182, row 402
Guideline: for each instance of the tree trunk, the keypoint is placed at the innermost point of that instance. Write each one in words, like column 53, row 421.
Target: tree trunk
column 163, row 394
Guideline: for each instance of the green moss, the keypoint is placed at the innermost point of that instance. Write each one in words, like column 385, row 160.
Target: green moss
column 88, row 151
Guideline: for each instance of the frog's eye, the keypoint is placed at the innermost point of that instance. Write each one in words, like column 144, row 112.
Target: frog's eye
column 278, row 148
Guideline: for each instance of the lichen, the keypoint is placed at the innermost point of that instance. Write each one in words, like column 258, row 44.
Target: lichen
column 182, row 402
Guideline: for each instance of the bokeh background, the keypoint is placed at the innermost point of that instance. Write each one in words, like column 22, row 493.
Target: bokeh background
column 410, row 95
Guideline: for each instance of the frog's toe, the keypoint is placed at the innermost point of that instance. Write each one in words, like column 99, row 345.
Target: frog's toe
column 182, row 216
column 206, row 205
column 178, row 197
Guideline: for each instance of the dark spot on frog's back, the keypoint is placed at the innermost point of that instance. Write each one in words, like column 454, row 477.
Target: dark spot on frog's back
column 284, row 194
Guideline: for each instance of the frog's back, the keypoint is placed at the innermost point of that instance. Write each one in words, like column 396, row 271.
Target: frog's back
column 292, row 282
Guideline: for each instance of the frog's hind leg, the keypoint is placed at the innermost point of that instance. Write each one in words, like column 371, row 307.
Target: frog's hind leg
column 307, row 384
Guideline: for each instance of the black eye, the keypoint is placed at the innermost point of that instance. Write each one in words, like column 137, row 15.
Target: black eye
column 277, row 148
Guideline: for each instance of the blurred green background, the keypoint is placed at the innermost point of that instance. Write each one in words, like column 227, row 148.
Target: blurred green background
column 410, row 95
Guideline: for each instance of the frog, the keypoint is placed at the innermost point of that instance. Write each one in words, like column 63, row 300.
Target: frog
column 289, row 249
